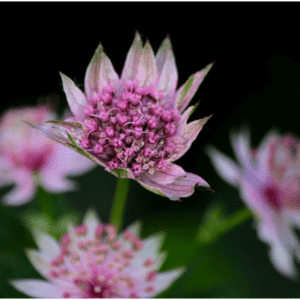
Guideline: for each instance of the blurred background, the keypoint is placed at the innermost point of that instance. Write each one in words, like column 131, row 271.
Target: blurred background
column 255, row 80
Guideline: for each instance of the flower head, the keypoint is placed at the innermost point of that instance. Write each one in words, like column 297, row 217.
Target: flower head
column 268, row 179
column 25, row 153
column 136, row 125
column 92, row 261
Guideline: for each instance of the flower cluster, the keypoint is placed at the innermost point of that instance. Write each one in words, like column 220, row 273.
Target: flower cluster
column 92, row 261
column 268, row 179
column 27, row 158
column 136, row 125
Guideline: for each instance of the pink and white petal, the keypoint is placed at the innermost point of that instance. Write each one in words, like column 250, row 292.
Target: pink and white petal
column 226, row 168
column 169, row 175
column 181, row 187
column 187, row 91
column 48, row 246
column 147, row 72
column 37, row 288
column 283, row 261
column 133, row 59
column 92, row 75
column 184, row 118
column 166, row 67
column 192, row 129
column 164, row 280
column 241, row 145
column 75, row 97
column 108, row 75
column 25, row 188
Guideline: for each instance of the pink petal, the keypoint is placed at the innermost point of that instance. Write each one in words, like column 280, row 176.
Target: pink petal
column 25, row 188
column 226, row 168
column 132, row 59
column 75, row 97
column 166, row 67
column 147, row 71
column 37, row 288
column 168, row 176
column 181, row 187
column 188, row 90
column 92, row 75
column 241, row 145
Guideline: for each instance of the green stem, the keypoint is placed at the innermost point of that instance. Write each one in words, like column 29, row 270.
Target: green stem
column 118, row 208
column 226, row 224
column 46, row 204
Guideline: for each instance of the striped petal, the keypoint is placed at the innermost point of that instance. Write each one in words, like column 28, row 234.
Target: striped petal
column 166, row 67
column 133, row 59
column 92, row 75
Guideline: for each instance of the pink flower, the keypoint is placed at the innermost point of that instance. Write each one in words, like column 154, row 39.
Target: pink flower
column 268, row 179
column 92, row 261
column 28, row 158
column 136, row 125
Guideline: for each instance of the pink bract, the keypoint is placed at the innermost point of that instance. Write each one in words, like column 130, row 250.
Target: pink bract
column 135, row 126
column 92, row 261
column 268, row 180
column 27, row 158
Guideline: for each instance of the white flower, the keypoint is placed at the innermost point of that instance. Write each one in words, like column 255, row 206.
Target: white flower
column 92, row 261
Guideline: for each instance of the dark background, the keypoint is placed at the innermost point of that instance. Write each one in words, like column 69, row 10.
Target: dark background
column 255, row 80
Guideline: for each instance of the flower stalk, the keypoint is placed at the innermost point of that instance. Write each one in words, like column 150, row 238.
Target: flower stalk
column 119, row 203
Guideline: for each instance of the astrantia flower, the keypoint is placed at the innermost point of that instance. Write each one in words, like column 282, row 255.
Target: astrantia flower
column 25, row 155
column 92, row 261
column 268, row 179
column 136, row 125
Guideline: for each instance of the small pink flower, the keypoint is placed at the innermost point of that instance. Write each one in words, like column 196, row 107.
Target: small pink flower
column 28, row 158
column 268, row 179
column 92, row 261
column 136, row 125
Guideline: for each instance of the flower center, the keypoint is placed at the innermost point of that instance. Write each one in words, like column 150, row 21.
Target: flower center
column 272, row 195
column 130, row 129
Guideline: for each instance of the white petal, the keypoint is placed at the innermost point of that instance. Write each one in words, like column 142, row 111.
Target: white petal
column 75, row 97
column 282, row 260
column 226, row 168
column 40, row 262
column 165, row 279
column 135, row 228
column 92, row 220
column 48, row 246
column 37, row 288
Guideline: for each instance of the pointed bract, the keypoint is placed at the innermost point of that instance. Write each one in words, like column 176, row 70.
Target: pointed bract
column 76, row 98
column 188, row 90
column 92, row 75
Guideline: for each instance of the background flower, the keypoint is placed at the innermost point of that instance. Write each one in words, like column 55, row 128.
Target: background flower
column 28, row 159
column 92, row 261
column 268, row 179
